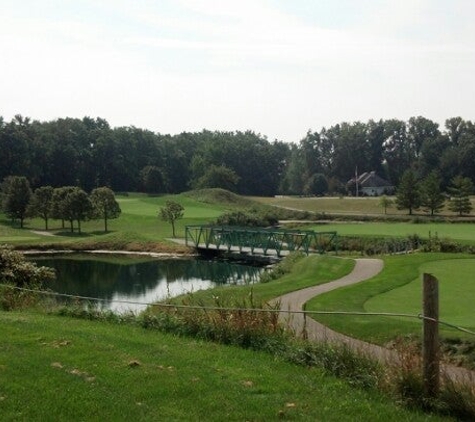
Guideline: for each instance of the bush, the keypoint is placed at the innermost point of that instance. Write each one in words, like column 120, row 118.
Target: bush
column 251, row 218
column 377, row 245
column 16, row 271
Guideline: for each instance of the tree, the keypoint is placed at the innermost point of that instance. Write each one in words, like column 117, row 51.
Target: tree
column 58, row 203
column 152, row 179
column 104, row 204
column 385, row 203
column 460, row 191
column 419, row 130
column 292, row 180
column 432, row 197
column 398, row 151
column 316, row 185
column 218, row 177
column 16, row 195
column 76, row 206
column 432, row 156
column 41, row 203
column 171, row 212
column 408, row 193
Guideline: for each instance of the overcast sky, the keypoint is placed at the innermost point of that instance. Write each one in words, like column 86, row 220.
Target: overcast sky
column 277, row 67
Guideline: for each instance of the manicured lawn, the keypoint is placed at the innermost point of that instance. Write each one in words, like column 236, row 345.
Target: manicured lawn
column 342, row 205
column 309, row 271
column 138, row 222
column 456, row 292
column 59, row 369
column 398, row 289
column 461, row 232
column 9, row 234
column 330, row 204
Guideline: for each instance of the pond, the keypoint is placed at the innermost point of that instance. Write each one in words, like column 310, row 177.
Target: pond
column 126, row 284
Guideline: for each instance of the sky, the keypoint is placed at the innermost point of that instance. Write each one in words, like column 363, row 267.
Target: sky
column 277, row 67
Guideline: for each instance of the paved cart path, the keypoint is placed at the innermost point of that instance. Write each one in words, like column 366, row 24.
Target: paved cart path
column 363, row 270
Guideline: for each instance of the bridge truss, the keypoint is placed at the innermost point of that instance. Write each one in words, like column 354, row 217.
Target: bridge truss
column 258, row 241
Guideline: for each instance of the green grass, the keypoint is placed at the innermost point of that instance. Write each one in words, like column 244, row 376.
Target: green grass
column 464, row 232
column 309, row 271
column 330, row 204
column 456, row 292
column 53, row 368
column 342, row 205
column 397, row 289
column 138, row 222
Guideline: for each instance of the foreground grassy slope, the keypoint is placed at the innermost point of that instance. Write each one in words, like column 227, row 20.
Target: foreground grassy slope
column 55, row 368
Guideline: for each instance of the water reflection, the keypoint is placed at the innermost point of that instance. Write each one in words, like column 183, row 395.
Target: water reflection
column 123, row 279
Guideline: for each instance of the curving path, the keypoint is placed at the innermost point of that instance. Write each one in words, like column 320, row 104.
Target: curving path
column 317, row 332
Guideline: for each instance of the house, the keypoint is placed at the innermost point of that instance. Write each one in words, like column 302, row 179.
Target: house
column 370, row 184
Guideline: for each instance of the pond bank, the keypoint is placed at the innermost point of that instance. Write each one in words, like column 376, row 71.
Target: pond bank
column 108, row 252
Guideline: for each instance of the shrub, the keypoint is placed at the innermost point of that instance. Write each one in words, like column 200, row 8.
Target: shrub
column 377, row 245
column 16, row 271
column 250, row 218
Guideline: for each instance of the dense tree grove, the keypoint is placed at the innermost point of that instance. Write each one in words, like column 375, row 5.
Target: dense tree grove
column 66, row 203
column 88, row 153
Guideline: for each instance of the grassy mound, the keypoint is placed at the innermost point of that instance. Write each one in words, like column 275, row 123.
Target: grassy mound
column 222, row 197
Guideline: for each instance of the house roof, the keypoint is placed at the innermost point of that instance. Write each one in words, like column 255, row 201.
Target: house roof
column 370, row 180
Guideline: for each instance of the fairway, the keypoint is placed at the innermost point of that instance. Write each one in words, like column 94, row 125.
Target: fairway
column 138, row 221
column 456, row 292
column 464, row 232
column 397, row 289
column 343, row 205
column 143, row 205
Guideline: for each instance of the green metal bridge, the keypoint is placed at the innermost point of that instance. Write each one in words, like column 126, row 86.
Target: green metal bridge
column 258, row 241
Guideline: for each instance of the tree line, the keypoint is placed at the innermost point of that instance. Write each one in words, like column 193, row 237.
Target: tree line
column 324, row 161
column 67, row 203
column 427, row 193
column 88, row 153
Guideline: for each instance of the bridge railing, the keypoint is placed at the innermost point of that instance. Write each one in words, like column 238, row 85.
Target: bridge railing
column 258, row 240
